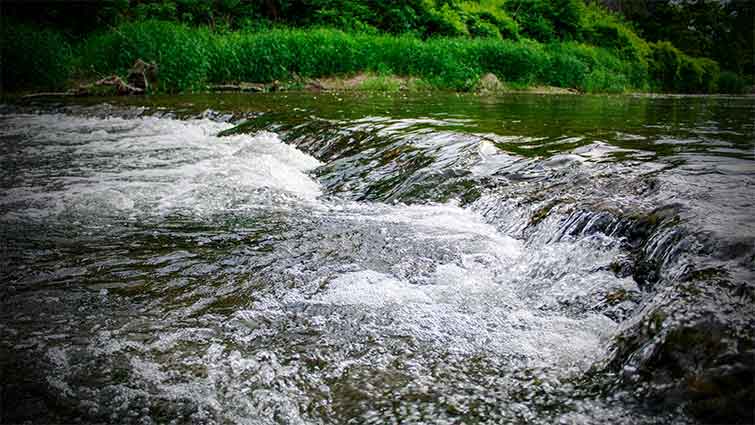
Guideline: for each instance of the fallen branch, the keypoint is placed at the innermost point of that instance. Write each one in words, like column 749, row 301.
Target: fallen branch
column 121, row 87
column 140, row 77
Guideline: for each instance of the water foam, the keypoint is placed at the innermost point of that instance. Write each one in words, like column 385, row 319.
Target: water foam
column 149, row 166
column 343, row 291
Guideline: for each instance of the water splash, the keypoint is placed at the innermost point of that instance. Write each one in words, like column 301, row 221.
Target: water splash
column 160, row 271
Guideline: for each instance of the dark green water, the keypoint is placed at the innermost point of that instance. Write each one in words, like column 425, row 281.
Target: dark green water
column 332, row 258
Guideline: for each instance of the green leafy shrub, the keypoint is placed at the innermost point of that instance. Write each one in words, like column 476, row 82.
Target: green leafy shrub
column 664, row 65
column 487, row 18
column 605, row 29
column 591, row 69
column 447, row 21
column 604, row 81
column 345, row 15
column 565, row 70
column 730, row 82
column 400, row 17
column 672, row 70
column 536, row 26
column 33, row 57
column 690, row 76
column 444, row 63
column 639, row 75
column 326, row 52
column 711, row 75
column 478, row 28
column 618, row 38
column 158, row 10
column 280, row 53
column 506, row 26
column 546, row 20
column 519, row 62
column 418, row 85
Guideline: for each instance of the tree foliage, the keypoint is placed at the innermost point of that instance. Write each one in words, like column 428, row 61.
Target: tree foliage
column 664, row 40
column 721, row 30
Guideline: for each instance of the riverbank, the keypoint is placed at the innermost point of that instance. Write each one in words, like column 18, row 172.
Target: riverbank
column 195, row 59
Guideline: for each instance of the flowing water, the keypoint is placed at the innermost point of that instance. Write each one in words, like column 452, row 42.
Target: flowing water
column 306, row 259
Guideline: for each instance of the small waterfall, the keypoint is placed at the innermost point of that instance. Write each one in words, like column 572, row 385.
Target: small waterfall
column 229, row 268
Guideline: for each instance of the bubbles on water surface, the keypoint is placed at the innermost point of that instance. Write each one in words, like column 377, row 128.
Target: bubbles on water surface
column 149, row 166
column 246, row 293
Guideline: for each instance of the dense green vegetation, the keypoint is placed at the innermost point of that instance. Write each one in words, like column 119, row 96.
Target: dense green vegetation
column 34, row 57
column 191, row 57
column 721, row 30
column 445, row 44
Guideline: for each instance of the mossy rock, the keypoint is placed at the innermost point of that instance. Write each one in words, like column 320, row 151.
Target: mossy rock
column 489, row 83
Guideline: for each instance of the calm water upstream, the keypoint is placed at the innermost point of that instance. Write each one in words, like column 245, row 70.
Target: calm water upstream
column 318, row 259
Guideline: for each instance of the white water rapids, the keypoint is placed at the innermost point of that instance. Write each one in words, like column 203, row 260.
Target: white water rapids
column 212, row 279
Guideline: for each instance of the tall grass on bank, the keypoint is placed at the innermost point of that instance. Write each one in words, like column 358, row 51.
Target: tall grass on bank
column 190, row 58
column 181, row 53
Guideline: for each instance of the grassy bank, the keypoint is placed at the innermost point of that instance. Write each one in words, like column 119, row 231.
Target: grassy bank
column 190, row 58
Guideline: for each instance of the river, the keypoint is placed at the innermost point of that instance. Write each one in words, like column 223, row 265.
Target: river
column 299, row 258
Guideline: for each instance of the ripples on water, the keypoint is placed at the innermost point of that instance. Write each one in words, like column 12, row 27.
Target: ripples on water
column 370, row 269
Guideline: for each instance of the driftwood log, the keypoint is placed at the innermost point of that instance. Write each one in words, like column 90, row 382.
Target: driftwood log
column 141, row 77
column 121, row 87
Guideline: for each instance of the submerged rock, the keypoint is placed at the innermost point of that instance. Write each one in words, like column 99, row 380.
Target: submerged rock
column 489, row 83
column 692, row 343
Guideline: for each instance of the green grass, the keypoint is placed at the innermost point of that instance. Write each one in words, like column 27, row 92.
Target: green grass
column 381, row 83
column 190, row 58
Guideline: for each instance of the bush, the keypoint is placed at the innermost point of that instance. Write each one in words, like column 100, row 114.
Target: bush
column 664, row 65
column 479, row 28
column 521, row 62
column 617, row 38
column 711, row 73
column 565, row 70
column 591, row 69
column 536, row 26
column 547, row 20
column 447, row 21
column 444, row 62
column 690, row 76
column 603, row 81
column 33, row 57
column 604, row 29
column 672, row 70
column 487, row 18
column 729, row 82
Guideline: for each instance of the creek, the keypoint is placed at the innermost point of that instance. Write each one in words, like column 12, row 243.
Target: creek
column 330, row 258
